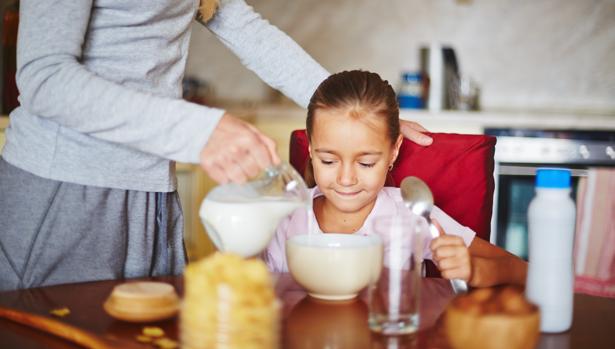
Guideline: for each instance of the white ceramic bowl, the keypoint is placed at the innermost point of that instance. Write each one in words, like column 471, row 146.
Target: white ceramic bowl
column 334, row 266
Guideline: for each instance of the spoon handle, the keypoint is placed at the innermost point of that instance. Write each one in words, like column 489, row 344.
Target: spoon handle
column 459, row 286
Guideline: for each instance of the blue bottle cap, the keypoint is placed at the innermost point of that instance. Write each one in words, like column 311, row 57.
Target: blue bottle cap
column 411, row 76
column 552, row 178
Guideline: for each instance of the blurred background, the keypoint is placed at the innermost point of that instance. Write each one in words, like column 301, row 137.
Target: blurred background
column 524, row 54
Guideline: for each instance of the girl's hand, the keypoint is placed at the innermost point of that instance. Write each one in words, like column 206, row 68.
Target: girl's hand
column 451, row 256
column 414, row 132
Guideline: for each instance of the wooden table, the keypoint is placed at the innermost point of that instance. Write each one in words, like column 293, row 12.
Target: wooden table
column 307, row 323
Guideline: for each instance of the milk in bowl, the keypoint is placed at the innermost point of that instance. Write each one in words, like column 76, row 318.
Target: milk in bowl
column 334, row 266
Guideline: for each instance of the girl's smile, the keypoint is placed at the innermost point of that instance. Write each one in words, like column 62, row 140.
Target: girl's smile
column 347, row 195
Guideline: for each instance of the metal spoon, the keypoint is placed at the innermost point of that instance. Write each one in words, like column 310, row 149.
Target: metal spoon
column 418, row 198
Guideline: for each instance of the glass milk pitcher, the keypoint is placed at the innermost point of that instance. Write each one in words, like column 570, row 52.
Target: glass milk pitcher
column 242, row 218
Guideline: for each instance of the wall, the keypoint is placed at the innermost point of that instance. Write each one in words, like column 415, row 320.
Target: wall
column 541, row 54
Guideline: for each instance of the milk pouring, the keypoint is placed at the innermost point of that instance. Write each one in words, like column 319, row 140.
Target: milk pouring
column 242, row 218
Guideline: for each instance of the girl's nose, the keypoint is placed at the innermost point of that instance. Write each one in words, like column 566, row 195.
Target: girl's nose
column 346, row 176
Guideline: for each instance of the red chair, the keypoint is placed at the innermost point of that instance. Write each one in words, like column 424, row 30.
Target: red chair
column 457, row 168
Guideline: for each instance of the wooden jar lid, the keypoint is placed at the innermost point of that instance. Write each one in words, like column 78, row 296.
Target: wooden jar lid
column 142, row 301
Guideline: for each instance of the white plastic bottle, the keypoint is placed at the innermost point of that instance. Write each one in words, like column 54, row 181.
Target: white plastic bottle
column 551, row 224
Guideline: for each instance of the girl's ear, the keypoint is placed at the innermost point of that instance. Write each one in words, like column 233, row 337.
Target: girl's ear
column 310, row 150
column 396, row 147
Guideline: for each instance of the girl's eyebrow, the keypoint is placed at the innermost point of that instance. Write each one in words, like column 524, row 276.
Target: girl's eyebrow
column 319, row 150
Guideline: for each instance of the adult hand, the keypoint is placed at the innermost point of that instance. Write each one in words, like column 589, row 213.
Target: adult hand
column 237, row 151
column 414, row 132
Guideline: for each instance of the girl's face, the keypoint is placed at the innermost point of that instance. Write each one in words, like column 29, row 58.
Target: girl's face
column 351, row 157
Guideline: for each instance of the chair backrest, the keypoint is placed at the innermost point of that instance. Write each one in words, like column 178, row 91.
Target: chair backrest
column 457, row 168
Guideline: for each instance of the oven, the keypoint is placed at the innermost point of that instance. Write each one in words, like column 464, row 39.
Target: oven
column 519, row 152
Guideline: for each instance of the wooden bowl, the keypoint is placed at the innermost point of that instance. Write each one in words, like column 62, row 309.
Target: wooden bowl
column 142, row 301
column 492, row 318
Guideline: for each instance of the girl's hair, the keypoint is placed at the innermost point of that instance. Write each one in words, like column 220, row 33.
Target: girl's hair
column 364, row 92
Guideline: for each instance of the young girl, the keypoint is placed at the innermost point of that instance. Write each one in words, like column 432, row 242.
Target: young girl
column 353, row 128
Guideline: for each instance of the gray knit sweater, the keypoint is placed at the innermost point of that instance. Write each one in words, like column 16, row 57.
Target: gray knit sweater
column 100, row 87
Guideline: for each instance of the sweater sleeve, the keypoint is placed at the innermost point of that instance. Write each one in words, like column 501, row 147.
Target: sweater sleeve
column 267, row 51
column 55, row 85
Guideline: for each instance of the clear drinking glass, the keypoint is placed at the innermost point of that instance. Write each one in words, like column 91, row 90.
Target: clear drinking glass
column 242, row 218
column 393, row 297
